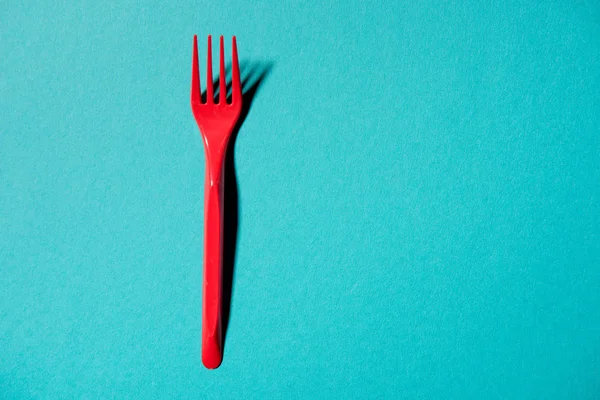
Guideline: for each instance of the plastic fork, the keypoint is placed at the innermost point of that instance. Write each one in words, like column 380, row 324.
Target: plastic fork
column 216, row 121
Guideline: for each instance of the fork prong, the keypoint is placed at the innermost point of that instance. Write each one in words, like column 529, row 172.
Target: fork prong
column 196, row 93
column 222, row 86
column 236, row 86
column 210, row 95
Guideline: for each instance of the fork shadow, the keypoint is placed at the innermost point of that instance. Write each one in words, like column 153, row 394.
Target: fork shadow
column 253, row 76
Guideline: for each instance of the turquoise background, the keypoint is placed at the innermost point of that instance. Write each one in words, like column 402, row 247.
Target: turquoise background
column 418, row 201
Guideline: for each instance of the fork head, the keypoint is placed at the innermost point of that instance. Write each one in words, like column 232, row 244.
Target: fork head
column 216, row 120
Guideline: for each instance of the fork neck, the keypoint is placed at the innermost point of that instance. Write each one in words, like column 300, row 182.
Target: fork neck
column 215, row 150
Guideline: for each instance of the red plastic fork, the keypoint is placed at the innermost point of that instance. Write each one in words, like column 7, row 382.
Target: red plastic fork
column 216, row 122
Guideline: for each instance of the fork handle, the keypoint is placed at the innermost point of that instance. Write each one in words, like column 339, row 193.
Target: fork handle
column 212, row 339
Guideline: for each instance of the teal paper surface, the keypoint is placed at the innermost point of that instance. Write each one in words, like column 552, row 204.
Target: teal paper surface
column 418, row 184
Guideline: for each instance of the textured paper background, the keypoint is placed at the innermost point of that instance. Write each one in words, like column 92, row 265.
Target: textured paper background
column 418, row 201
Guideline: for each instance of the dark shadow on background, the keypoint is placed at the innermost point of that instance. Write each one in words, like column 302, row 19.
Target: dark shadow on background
column 253, row 76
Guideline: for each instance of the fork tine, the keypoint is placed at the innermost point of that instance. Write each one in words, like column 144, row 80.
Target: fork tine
column 210, row 95
column 236, row 86
column 196, row 93
column 222, row 86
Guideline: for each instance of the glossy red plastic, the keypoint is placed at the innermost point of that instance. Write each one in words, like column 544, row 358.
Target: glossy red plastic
column 216, row 121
